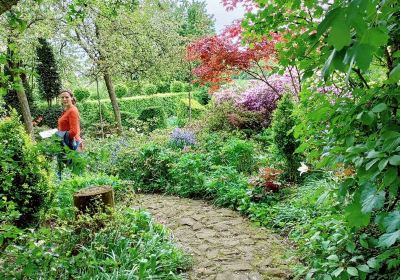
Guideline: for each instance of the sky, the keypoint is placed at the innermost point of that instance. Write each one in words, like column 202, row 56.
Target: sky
column 222, row 17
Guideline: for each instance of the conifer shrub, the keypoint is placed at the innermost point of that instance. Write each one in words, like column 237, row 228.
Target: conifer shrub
column 121, row 91
column 176, row 86
column 282, row 125
column 24, row 174
column 239, row 154
column 154, row 116
column 149, row 89
column 81, row 94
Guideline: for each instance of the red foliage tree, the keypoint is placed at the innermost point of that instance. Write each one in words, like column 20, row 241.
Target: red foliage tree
column 221, row 56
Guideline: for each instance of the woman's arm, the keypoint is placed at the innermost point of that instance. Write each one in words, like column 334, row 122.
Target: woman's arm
column 73, row 119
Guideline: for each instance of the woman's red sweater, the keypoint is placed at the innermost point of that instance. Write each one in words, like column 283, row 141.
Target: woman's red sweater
column 69, row 121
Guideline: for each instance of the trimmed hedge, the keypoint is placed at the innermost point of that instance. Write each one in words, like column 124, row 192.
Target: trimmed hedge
column 133, row 105
column 183, row 110
column 154, row 117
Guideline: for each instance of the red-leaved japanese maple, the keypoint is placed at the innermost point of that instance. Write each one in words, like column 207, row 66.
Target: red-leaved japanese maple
column 221, row 56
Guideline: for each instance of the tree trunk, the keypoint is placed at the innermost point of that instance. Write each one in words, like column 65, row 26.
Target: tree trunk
column 5, row 5
column 26, row 112
column 113, row 98
column 94, row 199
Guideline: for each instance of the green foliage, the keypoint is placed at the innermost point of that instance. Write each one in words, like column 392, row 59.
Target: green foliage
column 113, row 246
column 201, row 95
column 81, row 94
column 49, row 79
column 155, row 117
column 240, row 155
column 163, row 87
column 50, row 115
column 147, row 167
column 24, row 179
column 183, row 110
column 121, row 91
column 149, row 89
column 89, row 111
column 283, row 122
column 188, row 175
column 176, row 86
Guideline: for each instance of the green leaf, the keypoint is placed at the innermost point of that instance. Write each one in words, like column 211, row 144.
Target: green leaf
column 371, row 198
column 337, row 271
column 373, row 263
column 327, row 65
column 327, row 277
column 392, row 221
column 394, row 160
column 379, row 108
column 355, row 216
column 334, row 258
column 382, row 164
column 363, row 268
column 390, row 176
column 368, row 118
column 327, row 21
column 388, row 239
column 371, row 163
column 375, row 37
column 364, row 55
column 340, row 35
column 352, row 271
column 394, row 75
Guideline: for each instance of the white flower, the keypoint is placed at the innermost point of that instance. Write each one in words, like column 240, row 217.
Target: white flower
column 303, row 168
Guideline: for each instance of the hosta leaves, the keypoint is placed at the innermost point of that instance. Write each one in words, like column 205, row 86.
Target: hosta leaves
column 371, row 199
column 388, row 239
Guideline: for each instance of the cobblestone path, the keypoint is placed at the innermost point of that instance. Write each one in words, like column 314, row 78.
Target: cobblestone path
column 224, row 245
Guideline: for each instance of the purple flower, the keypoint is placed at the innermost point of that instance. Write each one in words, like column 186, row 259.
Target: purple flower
column 181, row 138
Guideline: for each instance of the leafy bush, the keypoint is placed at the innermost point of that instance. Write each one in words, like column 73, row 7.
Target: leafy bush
column 188, row 175
column 147, row 167
column 182, row 138
column 149, row 89
column 282, row 130
column 121, row 91
column 202, row 95
column 24, row 174
column 50, row 115
column 81, row 94
column 113, row 246
column 176, row 86
column 183, row 110
column 239, row 154
column 186, row 87
column 163, row 87
column 154, row 116
column 228, row 188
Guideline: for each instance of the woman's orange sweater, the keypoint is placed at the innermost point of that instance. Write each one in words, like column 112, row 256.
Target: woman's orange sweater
column 69, row 121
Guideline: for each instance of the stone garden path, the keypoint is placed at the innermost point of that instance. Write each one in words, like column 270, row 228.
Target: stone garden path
column 223, row 244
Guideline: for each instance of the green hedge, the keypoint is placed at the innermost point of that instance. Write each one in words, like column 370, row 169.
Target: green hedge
column 183, row 110
column 133, row 105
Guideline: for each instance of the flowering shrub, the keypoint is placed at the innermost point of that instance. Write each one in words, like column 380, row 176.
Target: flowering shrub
column 181, row 138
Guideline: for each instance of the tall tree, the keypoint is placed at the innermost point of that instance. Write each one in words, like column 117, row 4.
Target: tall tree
column 49, row 79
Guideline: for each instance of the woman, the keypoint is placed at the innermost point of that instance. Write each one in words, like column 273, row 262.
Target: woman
column 68, row 123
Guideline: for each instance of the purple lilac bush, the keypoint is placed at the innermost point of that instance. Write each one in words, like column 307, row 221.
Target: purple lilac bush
column 181, row 138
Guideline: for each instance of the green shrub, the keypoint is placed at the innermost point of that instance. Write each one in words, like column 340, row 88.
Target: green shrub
column 186, row 87
column 24, row 174
column 121, row 91
column 202, row 95
column 163, row 87
column 81, row 94
column 50, row 115
column 149, row 89
column 239, row 154
column 176, row 86
column 134, row 88
column 155, row 117
column 188, row 176
column 147, row 167
column 183, row 110
column 283, row 122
